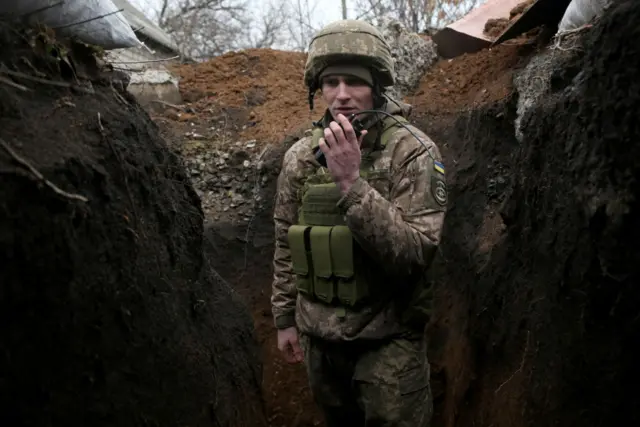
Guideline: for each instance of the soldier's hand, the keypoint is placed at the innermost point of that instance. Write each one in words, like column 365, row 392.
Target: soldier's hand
column 341, row 148
column 289, row 345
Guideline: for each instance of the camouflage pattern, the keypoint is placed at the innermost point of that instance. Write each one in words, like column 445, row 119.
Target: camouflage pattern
column 386, row 385
column 396, row 215
column 349, row 40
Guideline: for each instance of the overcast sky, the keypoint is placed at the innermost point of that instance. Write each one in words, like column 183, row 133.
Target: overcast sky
column 331, row 10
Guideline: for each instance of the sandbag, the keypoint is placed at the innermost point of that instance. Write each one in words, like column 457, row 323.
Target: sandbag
column 580, row 12
column 95, row 22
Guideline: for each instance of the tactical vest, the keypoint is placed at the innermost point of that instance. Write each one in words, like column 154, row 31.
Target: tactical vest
column 322, row 246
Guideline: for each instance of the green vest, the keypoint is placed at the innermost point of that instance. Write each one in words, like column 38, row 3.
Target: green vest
column 322, row 246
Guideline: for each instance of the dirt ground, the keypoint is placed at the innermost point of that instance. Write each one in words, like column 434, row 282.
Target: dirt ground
column 109, row 313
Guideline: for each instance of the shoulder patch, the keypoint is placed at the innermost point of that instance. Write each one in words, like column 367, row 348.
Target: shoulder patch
column 438, row 166
column 439, row 191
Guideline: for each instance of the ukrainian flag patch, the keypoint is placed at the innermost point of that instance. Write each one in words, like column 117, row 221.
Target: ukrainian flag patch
column 438, row 166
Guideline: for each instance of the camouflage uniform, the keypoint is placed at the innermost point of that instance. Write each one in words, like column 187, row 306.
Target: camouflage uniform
column 367, row 363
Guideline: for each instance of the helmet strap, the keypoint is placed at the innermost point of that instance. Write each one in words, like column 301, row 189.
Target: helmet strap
column 378, row 94
column 313, row 88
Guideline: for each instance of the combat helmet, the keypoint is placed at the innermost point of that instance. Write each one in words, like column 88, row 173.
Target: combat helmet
column 349, row 40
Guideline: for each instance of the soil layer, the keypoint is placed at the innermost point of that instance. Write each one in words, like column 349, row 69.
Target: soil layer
column 536, row 286
column 110, row 314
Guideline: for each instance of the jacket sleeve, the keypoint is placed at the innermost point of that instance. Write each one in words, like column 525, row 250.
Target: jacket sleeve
column 285, row 213
column 403, row 231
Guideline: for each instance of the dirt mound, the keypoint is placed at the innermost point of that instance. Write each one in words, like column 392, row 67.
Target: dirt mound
column 257, row 94
column 110, row 314
column 238, row 106
column 470, row 80
column 536, row 286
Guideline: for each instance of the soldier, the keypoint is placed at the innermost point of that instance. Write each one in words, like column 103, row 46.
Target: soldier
column 357, row 222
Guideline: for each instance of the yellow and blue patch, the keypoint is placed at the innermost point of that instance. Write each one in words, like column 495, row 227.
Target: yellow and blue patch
column 439, row 167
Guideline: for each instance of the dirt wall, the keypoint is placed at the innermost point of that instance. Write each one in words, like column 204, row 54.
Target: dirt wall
column 109, row 313
column 536, row 296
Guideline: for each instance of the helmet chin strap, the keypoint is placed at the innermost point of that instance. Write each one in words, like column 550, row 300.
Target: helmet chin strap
column 378, row 94
column 312, row 93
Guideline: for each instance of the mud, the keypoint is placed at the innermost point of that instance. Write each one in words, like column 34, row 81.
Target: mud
column 110, row 313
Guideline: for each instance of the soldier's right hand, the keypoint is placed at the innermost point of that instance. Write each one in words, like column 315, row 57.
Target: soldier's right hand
column 289, row 345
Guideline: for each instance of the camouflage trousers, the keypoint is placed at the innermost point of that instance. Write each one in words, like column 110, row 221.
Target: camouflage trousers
column 384, row 384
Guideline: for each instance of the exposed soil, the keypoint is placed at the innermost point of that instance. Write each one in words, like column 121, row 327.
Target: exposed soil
column 237, row 107
column 247, row 102
column 470, row 80
column 521, row 8
column 249, row 111
column 496, row 26
column 110, row 314
column 258, row 94
column 536, row 307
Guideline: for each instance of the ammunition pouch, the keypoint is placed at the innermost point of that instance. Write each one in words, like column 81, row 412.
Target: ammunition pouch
column 322, row 258
column 322, row 249
column 298, row 237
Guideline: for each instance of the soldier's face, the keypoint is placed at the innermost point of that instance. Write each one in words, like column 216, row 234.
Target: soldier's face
column 346, row 95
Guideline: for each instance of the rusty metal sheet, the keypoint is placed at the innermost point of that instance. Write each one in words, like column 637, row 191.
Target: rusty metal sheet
column 542, row 12
column 467, row 34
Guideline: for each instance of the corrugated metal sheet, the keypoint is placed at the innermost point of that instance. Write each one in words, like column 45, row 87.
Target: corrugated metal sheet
column 467, row 34
column 542, row 12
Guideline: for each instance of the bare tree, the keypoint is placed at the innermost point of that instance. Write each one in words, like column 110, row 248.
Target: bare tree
column 206, row 28
column 416, row 15
column 301, row 23
column 268, row 29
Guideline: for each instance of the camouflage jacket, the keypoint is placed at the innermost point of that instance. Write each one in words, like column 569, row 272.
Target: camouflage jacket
column 396, row 218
